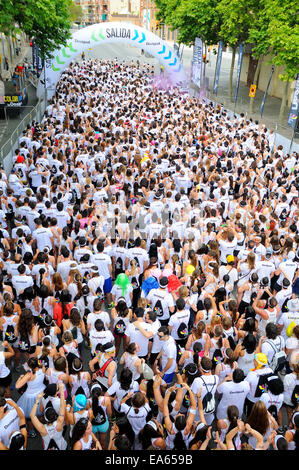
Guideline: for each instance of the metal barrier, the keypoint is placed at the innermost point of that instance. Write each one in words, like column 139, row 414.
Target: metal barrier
column 8, row 149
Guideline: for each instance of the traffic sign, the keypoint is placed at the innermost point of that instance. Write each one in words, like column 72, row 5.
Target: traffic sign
column 252, row 91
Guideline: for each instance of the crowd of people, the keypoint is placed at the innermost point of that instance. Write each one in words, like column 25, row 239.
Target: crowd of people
column 149, row 273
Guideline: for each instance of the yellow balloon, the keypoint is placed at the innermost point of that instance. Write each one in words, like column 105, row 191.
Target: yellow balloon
column 190, row 269
column 289, row 330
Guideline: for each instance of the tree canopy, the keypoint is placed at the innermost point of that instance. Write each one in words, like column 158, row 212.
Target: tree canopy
column 269, row 26
column 49, row 21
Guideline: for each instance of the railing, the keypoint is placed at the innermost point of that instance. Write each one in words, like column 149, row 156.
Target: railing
column 8, row 149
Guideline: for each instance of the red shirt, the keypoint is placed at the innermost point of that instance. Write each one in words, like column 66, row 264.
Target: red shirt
column 58, row 314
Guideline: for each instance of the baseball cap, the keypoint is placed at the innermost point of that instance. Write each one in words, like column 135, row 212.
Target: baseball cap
column 20, row 159
column 261, row 359
column 230, row 258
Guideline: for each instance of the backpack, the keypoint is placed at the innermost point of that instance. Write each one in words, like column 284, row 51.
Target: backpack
column 149, row 284
column 273, row 411
column 232, row 343
column 295, row 395
column 182, row 331
column 119, row 328
column 101, row 371
column 100, row 417
column 119, row 265
column 100, row 294
column 284, row 307
column 158, row 309
column 217, row 357
column 279, row 358
column 24, row 344
column 74, row 332
column 261, row 385
column 208, row 401
column 52, row 445
column 134, row 282
column 10, row 336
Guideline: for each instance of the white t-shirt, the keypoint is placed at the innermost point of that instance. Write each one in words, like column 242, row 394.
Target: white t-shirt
column 137, row 337
column 166, row 299
column 102, row 261
column 169, row 351
column 93, row 317
column 43, row 238
column 232, row 393
column 120, row 393
column 117, row 291
column 227, row 248
column 176, row 319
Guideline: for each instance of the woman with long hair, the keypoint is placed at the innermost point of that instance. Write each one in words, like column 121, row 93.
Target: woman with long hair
column 198, row 335
column 51, row 430
column 131, row 360
column 152, row 436
column 32, row 383
column 83, row 437
column 79, row 379
column 137, row 413
column 178, row 431
column 63, row 308
column 121, row 316
column 122, row 387
column 262, row 421
column 27, row 332
column 101, row 413
column 228, row 365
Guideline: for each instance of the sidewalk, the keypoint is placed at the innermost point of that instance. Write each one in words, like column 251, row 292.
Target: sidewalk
column 272, row 105
column 8, row 126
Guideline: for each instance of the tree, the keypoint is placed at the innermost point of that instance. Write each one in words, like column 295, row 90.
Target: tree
column 258, row 35
column 236, row 18
column 193, row 18
column 47, row 20
column 76, row 12
column 283, row 32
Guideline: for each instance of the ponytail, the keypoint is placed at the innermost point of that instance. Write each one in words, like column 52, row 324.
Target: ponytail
column 179, row 443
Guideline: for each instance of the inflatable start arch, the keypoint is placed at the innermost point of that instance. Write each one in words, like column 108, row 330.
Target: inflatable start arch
column 104, row 33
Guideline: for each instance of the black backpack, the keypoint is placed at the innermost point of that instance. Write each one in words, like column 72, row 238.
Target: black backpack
column 100, row 417
column 208, row 401
column 10, row 336
column 74, row 332
column 158, row 308
column 261, row 385
column 295, row 395
column 119, row 328
column 100, row 294
column 217, row 357
column 24, row 344
column 134, row 282
column 273, row 411
column 119, row 265
column 182, row 331
column 52, row 445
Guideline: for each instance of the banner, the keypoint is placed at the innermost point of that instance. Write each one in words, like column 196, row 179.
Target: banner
column 218, row 66
column 294, row 106
column 240, row 60
column 105, row 33
column 197, row 62
column 266, row 91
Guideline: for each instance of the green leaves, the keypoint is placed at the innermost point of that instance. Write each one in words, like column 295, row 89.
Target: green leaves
column 270, row 26
column 47, row 20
